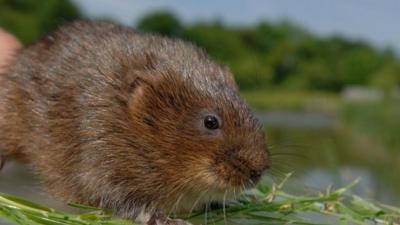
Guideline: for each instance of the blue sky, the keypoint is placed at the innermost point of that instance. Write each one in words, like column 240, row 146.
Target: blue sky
column 377, row 21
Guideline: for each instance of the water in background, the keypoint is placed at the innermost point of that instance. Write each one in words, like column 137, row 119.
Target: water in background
column 320, row 151
column 324, row 152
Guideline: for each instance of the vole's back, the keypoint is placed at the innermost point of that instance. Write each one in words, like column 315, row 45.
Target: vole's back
column 54, row 84
column 66, row 94
column 47, row 92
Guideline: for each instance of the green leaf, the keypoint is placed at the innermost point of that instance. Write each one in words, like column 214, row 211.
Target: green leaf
column 365, row 208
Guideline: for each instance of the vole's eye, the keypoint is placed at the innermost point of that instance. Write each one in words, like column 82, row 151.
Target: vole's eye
column 211, row 122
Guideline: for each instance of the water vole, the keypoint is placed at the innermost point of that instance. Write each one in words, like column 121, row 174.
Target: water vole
column 127, row 121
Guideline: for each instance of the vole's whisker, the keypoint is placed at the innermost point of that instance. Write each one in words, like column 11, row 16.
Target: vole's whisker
column 287, row 146
column 224, row 206
column 2, row 161
column 174, row 207
column 197, row 200
column 205, row 214
column 253, row 190
column 274, row 178
column 278, row 173
column 252, row 183
column 286, row 154
column 234, row 194
column 283, row 168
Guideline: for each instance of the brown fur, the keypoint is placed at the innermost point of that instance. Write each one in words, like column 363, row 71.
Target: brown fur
column 113, row 118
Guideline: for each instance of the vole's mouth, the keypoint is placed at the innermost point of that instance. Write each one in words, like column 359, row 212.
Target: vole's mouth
column 240, row 176
column 225, row 183
column 240, row 172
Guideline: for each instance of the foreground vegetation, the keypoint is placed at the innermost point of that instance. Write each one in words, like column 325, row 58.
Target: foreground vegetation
column 263, row 205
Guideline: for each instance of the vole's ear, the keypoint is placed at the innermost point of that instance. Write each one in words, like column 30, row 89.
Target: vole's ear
column 143, row 71
column 142, row 78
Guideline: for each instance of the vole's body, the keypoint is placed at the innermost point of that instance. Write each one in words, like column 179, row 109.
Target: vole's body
column 112, row 118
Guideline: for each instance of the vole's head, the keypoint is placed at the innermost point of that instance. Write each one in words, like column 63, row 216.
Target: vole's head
column 203, row 139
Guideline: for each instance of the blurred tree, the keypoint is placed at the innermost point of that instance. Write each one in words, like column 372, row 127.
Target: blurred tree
column 251, row 73
column 313, row 74
column 30, row 19
column 283, row 59
column 281, row 54
column 244, row 50
column 387, row 78
column 162, row 22
column 223, row 44
column 357, row 65
column 261, row 39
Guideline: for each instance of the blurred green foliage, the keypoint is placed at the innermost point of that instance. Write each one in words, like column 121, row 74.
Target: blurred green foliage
column 31, row 19
column 284, row 54
column 261, row 56
column 162, row 22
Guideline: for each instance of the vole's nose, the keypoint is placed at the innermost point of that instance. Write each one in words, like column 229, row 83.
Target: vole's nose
column 256, row 173
column 255, row 176
column 250, row 163
column 260, row 162
column 267, row 159
column 260, row 158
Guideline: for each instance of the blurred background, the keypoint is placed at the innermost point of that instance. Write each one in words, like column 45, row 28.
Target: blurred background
column 324, row 77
